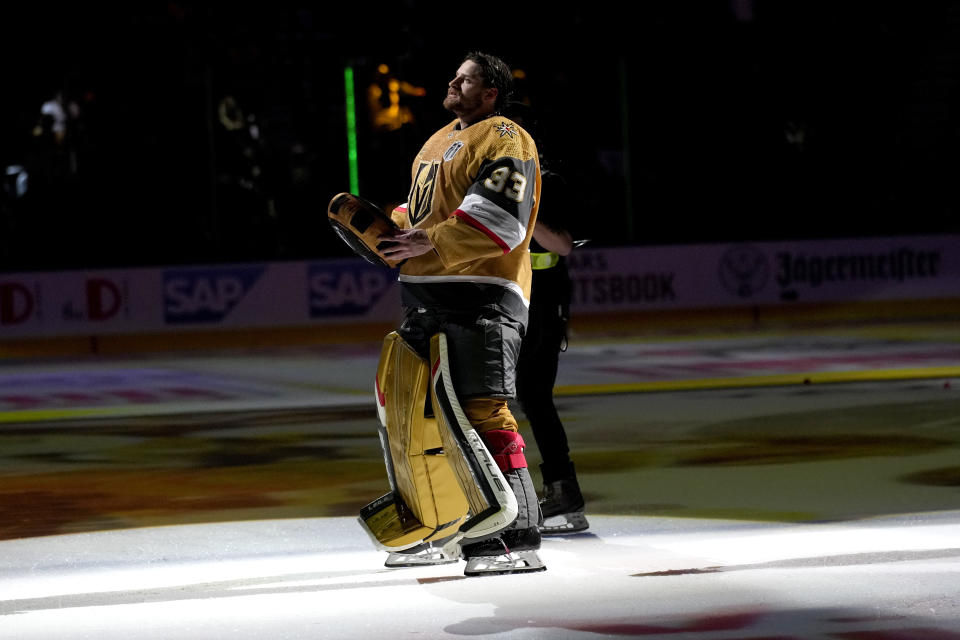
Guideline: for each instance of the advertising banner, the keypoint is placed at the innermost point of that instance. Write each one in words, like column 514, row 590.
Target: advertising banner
column 350, row 290
column 234, row 296
column 705, row 276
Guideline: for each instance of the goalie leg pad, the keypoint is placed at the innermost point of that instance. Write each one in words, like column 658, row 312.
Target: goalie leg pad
column 518, row 541
column 493, row 506
column 528, row 512
column 425, row 502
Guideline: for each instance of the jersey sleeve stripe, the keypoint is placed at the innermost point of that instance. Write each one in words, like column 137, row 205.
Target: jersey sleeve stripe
column 495, row 219
column 478, row 225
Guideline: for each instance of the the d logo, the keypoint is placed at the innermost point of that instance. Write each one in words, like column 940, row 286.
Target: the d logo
column 103, row 299
column 16, row 303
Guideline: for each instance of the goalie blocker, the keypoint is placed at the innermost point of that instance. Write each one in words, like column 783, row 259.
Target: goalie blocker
column 445, row 484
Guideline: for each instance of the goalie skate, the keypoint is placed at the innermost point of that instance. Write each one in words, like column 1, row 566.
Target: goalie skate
column 562, row 523
column 506, row 563
column 427, row 556
column 513, row 551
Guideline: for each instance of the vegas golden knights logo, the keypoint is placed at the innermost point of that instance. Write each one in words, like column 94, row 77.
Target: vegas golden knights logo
column 420, row 202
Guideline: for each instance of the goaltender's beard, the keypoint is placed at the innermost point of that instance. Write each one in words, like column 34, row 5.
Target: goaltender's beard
column 460, row 104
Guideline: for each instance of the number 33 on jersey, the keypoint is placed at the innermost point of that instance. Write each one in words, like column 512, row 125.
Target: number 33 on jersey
column 487, row 175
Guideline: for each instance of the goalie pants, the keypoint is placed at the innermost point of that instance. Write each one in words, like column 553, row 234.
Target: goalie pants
column 484, row 348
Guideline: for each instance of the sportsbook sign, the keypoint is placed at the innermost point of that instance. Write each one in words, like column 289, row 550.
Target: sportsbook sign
column 351, row 291
column 708, row 276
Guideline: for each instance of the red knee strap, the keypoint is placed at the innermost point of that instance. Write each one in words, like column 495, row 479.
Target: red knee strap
column 507, row 449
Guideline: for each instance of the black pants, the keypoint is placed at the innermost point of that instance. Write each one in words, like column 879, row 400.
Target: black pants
column 536, row 376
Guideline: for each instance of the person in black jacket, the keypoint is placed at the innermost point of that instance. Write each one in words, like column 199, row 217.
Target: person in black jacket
column 562, row 503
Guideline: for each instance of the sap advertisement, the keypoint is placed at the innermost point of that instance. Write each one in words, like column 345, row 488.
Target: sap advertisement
column 349, row 291
column 236, row 296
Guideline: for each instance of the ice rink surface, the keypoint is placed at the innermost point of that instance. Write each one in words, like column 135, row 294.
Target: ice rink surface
column 801, row 485
column 629, row 577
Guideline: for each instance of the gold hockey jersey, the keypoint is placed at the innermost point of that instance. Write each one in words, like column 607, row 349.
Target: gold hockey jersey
column 475, row 192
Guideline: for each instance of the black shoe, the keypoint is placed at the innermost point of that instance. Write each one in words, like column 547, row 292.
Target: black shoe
column 562, row 496
column 562, row 507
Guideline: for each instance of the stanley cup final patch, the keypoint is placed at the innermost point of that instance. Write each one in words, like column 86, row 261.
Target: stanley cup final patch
column 452, row 151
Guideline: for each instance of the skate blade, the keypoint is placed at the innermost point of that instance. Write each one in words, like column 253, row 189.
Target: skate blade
column 564, row 523
column 422, row 559
column 513, row 562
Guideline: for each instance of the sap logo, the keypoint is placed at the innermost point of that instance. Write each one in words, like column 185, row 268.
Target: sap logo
column 205, row 295
column 347, row 289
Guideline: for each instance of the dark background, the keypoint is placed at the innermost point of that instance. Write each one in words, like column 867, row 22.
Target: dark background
column 685, row 122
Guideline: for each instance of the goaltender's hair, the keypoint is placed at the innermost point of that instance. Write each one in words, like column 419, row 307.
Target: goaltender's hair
column 496, row 73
